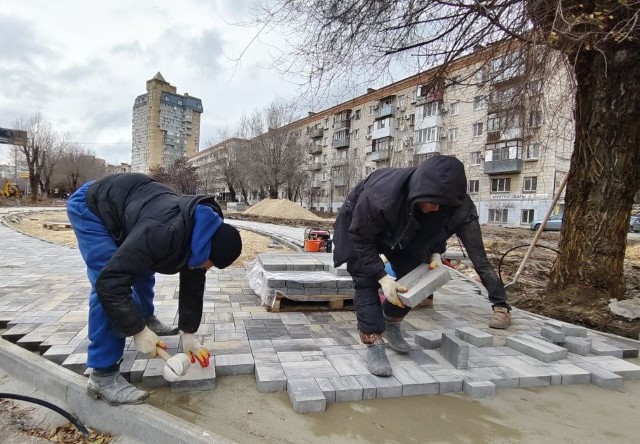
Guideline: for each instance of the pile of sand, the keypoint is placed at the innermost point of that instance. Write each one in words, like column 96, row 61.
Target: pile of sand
column 282, row 209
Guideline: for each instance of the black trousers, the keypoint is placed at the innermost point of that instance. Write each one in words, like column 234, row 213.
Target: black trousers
column 370, row 311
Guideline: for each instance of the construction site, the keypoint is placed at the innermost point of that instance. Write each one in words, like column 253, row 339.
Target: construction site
column 280, row 325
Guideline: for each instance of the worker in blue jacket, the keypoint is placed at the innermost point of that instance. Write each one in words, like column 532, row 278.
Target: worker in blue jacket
column 407, row 214
column 130, row 227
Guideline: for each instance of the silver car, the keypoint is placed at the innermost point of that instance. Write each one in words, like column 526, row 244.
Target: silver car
column 553, row 224
column 634, row 224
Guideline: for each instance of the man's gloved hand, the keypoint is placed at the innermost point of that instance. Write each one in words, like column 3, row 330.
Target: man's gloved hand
column 435, row 261
column 192, row 347
column 146, row 342
column 390, row 288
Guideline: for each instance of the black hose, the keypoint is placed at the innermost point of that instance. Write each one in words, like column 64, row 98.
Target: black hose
column 72, row 419
column 514, row 248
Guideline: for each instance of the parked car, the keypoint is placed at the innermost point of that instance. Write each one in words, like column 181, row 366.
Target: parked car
column 553, row 224
column 634, row 224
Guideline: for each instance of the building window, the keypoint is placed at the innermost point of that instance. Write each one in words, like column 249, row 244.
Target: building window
column 431, row 109
column 475, row 158
column 535, row 118
column 473, row 187
column 532, row 152
column 427, row 135
column 452, row 135
column 355, row 133
column 527, row 216
column 382, row 123
column 498, row 216
column 357, row 115
column 501, row 185
column 371, row 110
column 477, row 129
column 455, row 108
column 530, row 184
column 478, row 103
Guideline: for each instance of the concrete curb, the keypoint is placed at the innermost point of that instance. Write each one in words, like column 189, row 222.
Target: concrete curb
column 275, row 237
column 142, row 422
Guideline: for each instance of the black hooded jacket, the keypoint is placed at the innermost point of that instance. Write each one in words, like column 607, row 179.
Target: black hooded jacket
column 151, row 225
column 380, row 217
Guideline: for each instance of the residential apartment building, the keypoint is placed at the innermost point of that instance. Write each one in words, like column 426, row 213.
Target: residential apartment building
column 122, row 168
column 166, row 126
column 511, row 127
column 214, row 166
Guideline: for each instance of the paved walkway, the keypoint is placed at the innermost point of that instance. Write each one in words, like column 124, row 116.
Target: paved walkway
column 316, row 357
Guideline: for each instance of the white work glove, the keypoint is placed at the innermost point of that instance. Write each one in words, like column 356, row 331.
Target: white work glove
column 192, row 347
column 390, row 288
column 147, row 341
column 435, row 261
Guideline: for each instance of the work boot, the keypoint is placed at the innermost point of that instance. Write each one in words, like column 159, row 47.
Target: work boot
column 159, row 328
column 501, row 318
column 377, row 362
column 112, row 388
column 393, row 335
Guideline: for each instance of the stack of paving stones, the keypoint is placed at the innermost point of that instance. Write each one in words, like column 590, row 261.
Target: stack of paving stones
column 301, row 277
column 314, row 357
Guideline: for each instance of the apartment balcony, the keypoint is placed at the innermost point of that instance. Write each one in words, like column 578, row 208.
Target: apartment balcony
column 507, row 166
column 314, row 166
column 427, row 147
column 339, row 181
column 316, row 133
column 341, row 124
column 315, row 184
column 385, row 111
column 379, row 156
column 381, row 133
column 340, row 143
column 315, row 148
column 515, row 105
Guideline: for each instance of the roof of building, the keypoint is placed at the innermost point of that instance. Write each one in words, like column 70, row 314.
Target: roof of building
column 158, row 76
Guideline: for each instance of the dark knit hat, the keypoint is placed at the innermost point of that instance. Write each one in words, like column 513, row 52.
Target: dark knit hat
column 226, row 246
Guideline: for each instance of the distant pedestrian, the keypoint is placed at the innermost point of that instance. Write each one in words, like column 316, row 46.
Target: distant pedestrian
column 407, row 214
column 130, row 227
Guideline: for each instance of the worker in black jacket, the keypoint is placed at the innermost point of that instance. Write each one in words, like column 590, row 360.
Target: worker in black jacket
column 407, row 214
column 128, row 228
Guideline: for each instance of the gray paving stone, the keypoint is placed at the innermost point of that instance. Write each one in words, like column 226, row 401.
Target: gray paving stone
column 348, row 364
column 620, row 367
column 197, row 379
column 449, row 383
column 421, row 282
column 309, row 369
column 475, row 336
column 536, row 348
column 429, row 339
column 571, row 374
column 306, row 396
column 603, row 349
column 327, row 388
column 58, row 353
column 152, row 376
column 479, row 389
column 369, row 388
column 554, row 334
column 601, row 377
column 241, row 364
column 347, row 388
column 579, row 346
column 455, row 350
column 137, row 370
column 270, row 377
column 529, row 375
column 76, row 362
column 414, row 380
column 385, row 387
column 574, row 330
column 628, row 351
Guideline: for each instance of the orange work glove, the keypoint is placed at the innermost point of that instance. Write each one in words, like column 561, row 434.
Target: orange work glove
column 192, row 347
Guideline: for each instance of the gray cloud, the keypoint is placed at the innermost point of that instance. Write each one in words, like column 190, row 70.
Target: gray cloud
column 22, row 44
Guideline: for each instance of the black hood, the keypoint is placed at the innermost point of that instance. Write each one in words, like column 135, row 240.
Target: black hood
column 440, row 180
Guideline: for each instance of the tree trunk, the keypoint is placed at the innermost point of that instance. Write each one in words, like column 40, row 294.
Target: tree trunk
column 604, row 174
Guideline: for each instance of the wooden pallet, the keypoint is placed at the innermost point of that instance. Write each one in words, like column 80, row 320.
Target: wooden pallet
column 56, row 226
column 316, row 302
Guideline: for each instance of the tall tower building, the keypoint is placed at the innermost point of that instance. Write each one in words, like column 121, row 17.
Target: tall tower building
column 166, row 126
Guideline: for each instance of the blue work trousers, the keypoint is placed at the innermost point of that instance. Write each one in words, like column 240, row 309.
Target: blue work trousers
column 97, row 247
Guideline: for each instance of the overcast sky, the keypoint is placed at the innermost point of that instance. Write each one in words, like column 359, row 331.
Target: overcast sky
column 82, row 64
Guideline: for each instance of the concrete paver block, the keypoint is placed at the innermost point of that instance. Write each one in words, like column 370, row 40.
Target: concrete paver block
column 601, row 377
column 479, row 389
column 537, row 348
column 620, row 367
column 603, row 349
column 327, row 388
column 455, row 350
column 570, row 374
column 241, row 364
column 196, row 379
column 270, row 377
column 555, row 334
column 475, row 336
column 429, row 339
column 306, row 396
column 579, row 346
column 421, row 282
column 152, row 376
column 347, row 388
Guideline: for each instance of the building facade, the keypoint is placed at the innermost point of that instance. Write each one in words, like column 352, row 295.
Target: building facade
column 510, row 125
column 122, row 168
column 166, row 126
column 215, row 168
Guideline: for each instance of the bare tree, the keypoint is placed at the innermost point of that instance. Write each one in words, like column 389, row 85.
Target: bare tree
column 274, row 153
column 346, row 41
column 181, row 176
column 77, row 165
column 41, row 138
column 49, row 159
